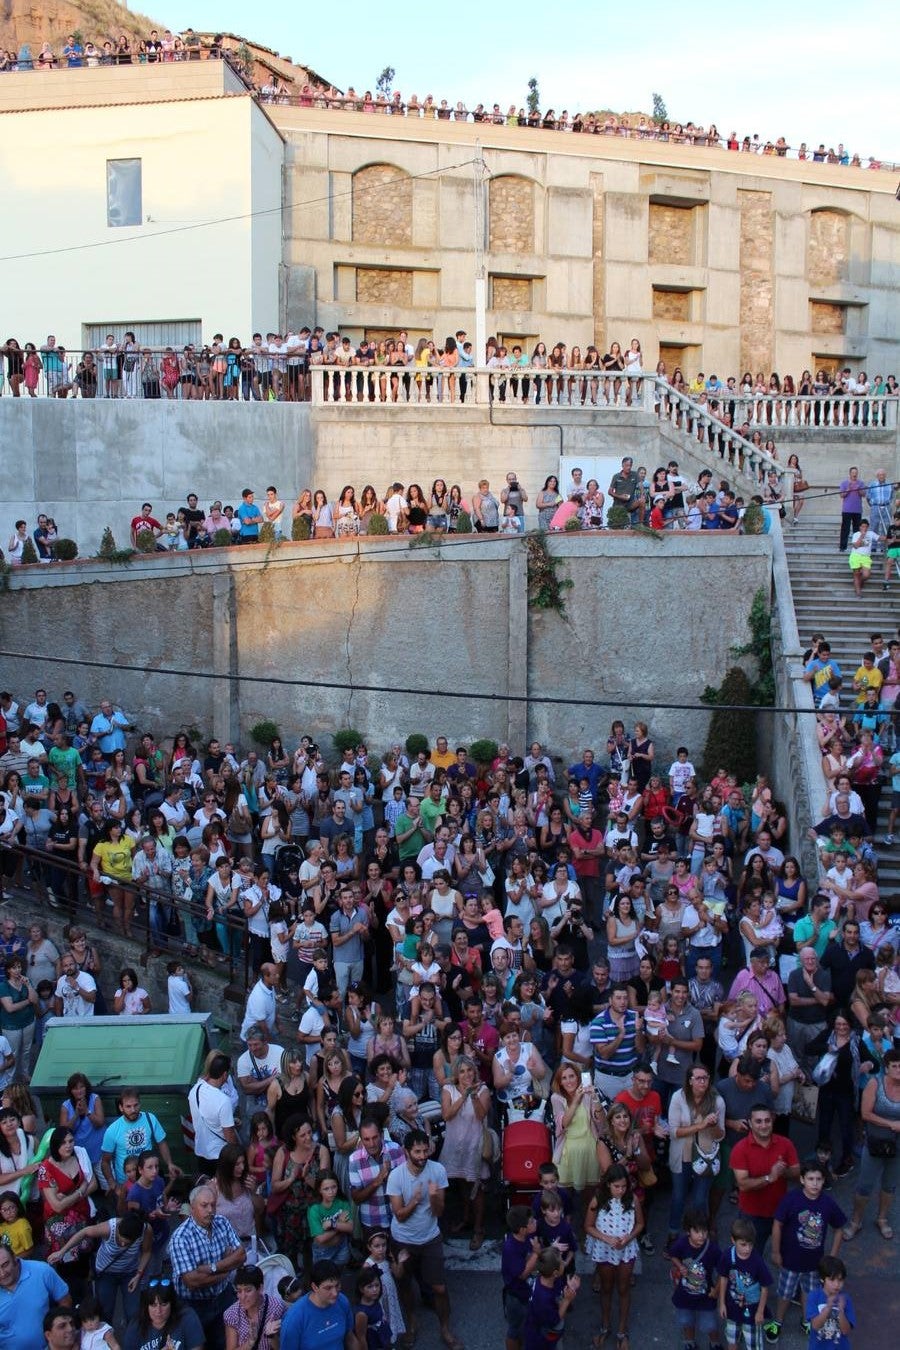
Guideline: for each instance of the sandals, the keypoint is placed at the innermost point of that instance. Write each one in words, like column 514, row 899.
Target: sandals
column 475, row 1242
column 851, row 1229
column 598, row 1341
column 622, row 1340
column 451, row 1341
column 884, row 1229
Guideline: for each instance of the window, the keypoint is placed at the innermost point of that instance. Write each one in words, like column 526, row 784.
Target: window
column 123, row 192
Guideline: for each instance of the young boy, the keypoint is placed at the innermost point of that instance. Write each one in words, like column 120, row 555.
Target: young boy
column 521, row 1249
column 829, row 1311
column 802, row 1220
column 548, row 1180
column 744, row 1281
column 550, row 1301
column 695, row 1269
column 181, row 993
column 554, row 1230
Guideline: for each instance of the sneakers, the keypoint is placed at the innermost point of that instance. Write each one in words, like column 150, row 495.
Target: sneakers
column 844, row 1168
column 804, row 1328
column 645, row 1242
column 772, row 1332
column 888, row 839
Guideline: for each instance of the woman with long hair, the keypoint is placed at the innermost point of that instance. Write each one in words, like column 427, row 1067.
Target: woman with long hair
column 65, row 1179
column 465, row 1105
column 696, row 1129
column 236, row 1199
column 162, row 1321
column 579, row 1122
column 296, row 1169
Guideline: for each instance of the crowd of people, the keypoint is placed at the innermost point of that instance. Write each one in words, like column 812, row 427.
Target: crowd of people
column 121, row 50
column 439, row 948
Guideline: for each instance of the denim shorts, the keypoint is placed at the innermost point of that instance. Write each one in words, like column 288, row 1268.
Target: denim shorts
column 702, row 1321
column 515, row 1312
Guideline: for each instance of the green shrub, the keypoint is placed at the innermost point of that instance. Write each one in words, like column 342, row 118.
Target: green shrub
column 483, row 751
column 264, row 732
column 753, row 519
column 415, row 742
column 29, row 552
column 463, row 523
column 572, row 526
column 222, row 538
column 347, row 739
column 301, row 529
column 618, row 518
column 110, row 552
column 267, row 532
column 145, row 541
column 64, row 550
column 377, row 524
column 731, row 739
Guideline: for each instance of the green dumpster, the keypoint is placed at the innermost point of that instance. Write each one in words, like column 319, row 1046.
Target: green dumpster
column 160, row 1056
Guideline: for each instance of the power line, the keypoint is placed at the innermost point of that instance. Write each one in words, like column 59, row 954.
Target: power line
column 294, row 683
column 225, row 220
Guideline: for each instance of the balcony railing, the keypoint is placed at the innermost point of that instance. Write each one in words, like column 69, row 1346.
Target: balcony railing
column 823, row 412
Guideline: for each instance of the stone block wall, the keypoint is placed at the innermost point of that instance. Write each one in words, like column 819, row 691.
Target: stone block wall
column 511, row 293
column 757, row 303
column 382, row 206
column 384, row 286
column 828, row 250
column 671, row 239
column 511, row 215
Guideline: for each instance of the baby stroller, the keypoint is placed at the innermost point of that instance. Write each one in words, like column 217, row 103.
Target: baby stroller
column 526, row 1146
column 291, row 855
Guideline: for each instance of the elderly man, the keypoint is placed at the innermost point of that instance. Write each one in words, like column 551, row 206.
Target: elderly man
column 809, row 995
column 259, row 1063
column 762, row 980
column 370, row 1166
column 27, row 1290
column 205, row 1252
column 108, row 728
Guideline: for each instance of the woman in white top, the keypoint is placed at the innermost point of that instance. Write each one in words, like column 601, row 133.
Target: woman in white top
column 558, row 895
column 16, row 1151
column 517, row 1066
column 446, row 905
column 16, row 544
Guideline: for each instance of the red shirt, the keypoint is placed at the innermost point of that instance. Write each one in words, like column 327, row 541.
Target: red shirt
column 645, row 1112
column 752, row 1158
column 586, row 867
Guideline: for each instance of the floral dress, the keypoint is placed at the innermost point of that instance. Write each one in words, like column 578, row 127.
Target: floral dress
column 292, row 1219
column 60, row 1227
column 612, row 1221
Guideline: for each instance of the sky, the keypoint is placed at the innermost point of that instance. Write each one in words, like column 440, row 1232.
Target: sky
column 819, row 75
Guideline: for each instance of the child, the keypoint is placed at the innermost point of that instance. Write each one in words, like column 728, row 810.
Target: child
column 801, row 1225
column 612, row 1225
column 548, row 1180
column 280, row 943
column 181, row 993
column 695, row 1270
column 15, row 1230
column 130, row 1168
column 148, row 1197
column 681, row 770
column 379, row 1258
column 44, row 1009
column 744, row 1280
column 95, row 1333
column 770, row 926
column 554, row 1230
column 373, row 1330
column 551, row 1299
column 330, row 1222
column 655, row 1017
column 670, row 965
column 425, row 968
column 491, row 915
column 521, row 1250
column 394, row 809
column 261, row 1150
column 319, row 971
column 829, row 1311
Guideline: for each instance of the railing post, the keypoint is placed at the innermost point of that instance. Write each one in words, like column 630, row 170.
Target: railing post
column 648, row 391
column 482, row 383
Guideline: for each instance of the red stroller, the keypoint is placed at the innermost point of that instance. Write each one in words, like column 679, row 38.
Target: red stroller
column 526, row 1145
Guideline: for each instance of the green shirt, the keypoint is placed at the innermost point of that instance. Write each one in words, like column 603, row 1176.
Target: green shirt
column 411, row 847
column 803, row 933
column 24, row 1017
column 67, row 762
column 35, row 787
column 430, row 813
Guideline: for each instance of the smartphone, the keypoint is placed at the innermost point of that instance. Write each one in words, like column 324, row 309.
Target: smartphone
column 586, row 1082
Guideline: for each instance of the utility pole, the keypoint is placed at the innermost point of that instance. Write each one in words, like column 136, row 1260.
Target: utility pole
column 479, row 187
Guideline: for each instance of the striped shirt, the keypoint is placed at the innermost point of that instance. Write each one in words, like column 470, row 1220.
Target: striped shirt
column 603, row 1032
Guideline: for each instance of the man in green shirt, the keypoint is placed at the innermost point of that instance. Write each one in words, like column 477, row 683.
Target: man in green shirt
column 63, row 758
column 409, row 832
column 815, row 929
column 432, row 809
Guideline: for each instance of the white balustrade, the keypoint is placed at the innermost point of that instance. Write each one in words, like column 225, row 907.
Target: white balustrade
column 820, row 412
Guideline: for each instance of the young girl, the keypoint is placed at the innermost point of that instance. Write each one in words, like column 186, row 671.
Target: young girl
column 390, row 1270
column 425, row 968
column 261, row 1150
column 330, row 1222
column 147, row 1197
column 612, row 1225
column 655, row 1019
column 371, row 1324
column 95, row 1333
column 359, row 1023
column 15, row 1230
column 770, row 925
column 670, row 966
column 386, row 1041
column 130, row 1168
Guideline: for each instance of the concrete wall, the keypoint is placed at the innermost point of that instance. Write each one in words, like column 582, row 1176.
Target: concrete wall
column 444, row 635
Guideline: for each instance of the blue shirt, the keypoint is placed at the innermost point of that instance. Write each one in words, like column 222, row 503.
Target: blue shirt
column 830, row 1336
column 249, row 511
column 593, row 774
column 307, row 1327
column 129, row 1138
column 22, row 1309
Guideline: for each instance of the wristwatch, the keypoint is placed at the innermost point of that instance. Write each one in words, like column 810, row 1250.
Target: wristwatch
column 214, row 1269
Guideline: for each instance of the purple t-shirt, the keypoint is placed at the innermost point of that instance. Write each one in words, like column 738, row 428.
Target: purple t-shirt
column 805, row 1225
column 851, row 496
column 697, row 1286
column 745, row 1281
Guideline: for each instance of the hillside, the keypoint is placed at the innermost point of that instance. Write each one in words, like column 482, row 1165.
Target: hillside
column 38, row 21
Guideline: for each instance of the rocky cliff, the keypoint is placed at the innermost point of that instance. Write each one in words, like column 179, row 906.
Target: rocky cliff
column 39, row 21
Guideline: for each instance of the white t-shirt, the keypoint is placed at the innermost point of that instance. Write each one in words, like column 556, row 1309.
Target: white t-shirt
column 267, row 1067
column 311, row 1024
column 73, row 1005
column 179, row 995
column 679, row 774
column 392, row 509
column 211, row 1115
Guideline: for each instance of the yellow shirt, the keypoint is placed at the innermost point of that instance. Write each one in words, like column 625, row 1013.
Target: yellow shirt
column 114, row 860
column 443, row 761
column 866, row 679
column 19, row 1235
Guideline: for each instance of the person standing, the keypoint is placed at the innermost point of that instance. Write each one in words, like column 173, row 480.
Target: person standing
column 211, row 1114
column 617, row 1041
column 27, row 1291
column 878, row 497
column 416, row 1190
column 851, row 490
column 763, row 1162
column 204, row 1252
column 321, row 1319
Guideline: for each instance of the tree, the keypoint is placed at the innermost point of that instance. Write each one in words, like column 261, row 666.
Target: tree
column 660, row 111
column 534, row 96
column 385, row 82
column 731, row 739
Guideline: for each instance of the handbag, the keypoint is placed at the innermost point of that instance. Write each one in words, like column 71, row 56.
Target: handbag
column 805, row 1105
column 487, row 876
column 705, row 1160
column 800, row 485
column 647, row 1177
column 880, row 1142
column 275, row 1200
column 824, row 1070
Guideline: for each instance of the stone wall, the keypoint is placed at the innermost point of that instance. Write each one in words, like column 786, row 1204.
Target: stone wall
column 671, row 237
column 384, row 286
column 757, row 286
column 825, row 317
column 382, row 206
column 510, row 215
column 671, row 304
column 511, row 293
column 828, row 249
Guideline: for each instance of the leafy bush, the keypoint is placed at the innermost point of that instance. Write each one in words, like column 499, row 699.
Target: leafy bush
column 29, row 552
column 618, row 518
column 222, row 538
column 483, row 751
column 377, row 524
column 463, row 523
column 731, row 739
column 347, row 739
column 301, row 529
column 415, row 742
column 264, row 732
column 267, row 532
column 110, row 552
column 572, row 526
column 753, row 519
column 145, row 541
column 64, row 550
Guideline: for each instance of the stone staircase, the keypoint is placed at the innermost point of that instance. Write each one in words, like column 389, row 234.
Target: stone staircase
column 825, row 602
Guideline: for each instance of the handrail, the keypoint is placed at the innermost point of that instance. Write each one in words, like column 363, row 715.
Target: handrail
column 696, row 420
column 823, row 412
column 75, row 902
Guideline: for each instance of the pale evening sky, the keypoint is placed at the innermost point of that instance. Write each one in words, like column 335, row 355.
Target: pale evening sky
column 826, row 74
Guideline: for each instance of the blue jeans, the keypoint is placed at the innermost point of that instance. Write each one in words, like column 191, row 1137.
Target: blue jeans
column 108, row 1287
column 688, row 1190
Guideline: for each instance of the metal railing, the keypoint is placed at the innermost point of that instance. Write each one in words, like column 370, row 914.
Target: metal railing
column 47, row 872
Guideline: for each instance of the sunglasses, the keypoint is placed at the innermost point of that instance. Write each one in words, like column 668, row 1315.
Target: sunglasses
column 159, row 1284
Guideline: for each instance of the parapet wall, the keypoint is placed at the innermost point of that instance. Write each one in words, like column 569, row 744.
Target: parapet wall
column 443, row 636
